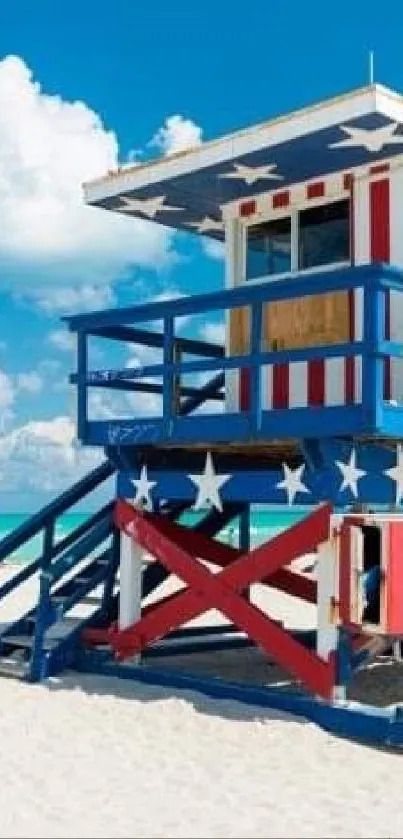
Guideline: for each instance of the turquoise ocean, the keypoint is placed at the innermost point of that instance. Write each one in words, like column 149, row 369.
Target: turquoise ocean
column 264, row 524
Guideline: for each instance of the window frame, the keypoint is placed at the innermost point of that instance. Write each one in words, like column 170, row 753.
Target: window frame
column 292, row 213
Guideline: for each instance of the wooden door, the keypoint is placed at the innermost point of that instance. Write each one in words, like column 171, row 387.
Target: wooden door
column 308, row 321
column 291, row 324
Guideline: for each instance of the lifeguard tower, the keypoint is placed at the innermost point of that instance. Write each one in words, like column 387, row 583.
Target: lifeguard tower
column 302, row 404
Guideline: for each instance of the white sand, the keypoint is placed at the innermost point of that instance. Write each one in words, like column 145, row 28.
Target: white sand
column 87, row 756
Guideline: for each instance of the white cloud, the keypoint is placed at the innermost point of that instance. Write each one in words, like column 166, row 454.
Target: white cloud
column 48, row 147
column 88, row 298
column 44, row 456
column 30, row 382
column 7, row 396
column 213, row 248
column 214, row 333
column 62, row 340
column 177, row 134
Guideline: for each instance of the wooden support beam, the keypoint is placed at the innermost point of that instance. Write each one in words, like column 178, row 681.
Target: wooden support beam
column 222, row 592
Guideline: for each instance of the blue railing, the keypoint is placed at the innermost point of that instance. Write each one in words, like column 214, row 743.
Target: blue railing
column 44, row 523
column 366, row 417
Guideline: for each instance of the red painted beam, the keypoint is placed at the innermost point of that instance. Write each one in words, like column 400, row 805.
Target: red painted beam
column 203, row 547
column 220, row 591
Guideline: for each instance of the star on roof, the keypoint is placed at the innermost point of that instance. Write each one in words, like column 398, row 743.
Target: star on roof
column 209, row 485
column 351, row 474
column 251, row 174
column 396, row 474
column 292, row 482
column 143, row 489
column 206, row 224
column 147, row 206
column 372, row 139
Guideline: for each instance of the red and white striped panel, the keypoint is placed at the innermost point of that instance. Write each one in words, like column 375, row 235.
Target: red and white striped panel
column 376, row 198
column 298, row 195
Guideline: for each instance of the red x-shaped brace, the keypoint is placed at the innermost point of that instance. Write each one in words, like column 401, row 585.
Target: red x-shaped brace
column 223, row 591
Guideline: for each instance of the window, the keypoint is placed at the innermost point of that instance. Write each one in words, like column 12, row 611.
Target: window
column 324, row 235
column 268, row 248
column 319, row 236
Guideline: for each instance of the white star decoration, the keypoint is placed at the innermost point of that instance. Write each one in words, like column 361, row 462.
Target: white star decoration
column 351, row 474
column 147, row 206
column 292, row 482
column 372, row 139
column 143, row 489
column 209, row 485
column 206, row 224
column 396, row 474
column 251, row 174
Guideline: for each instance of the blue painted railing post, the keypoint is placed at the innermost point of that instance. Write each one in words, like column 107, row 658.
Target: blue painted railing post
column 82, row 372
column 244, row 536
column 372, row 362
column 43, row 610
column 255, row 372
column 168, row 388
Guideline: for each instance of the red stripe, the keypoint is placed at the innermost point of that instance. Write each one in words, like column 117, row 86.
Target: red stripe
column 378, row 170
column 247, row 208
column 316, row 190
column 281, row 199
column 244, row 390
column 380, row 249
column 316, row 382
column 280, row 386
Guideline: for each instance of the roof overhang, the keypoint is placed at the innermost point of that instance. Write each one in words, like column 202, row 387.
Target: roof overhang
column 186, row 189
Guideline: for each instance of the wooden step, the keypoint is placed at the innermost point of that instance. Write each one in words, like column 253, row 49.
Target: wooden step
column 12, row 668
column 26, row 642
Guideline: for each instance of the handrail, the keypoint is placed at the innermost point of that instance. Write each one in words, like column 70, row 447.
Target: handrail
column 379, row 274
column 51, row 511
column 232, row 362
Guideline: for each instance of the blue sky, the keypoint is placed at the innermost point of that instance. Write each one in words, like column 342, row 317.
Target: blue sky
column 148, row 77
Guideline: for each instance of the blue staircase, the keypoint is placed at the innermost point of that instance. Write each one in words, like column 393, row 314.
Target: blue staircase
column 69, row 571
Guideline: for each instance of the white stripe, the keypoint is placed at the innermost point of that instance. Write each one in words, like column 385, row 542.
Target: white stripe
column 335, row 371
column 361, row 221
column 267, row 387
column 298, row 384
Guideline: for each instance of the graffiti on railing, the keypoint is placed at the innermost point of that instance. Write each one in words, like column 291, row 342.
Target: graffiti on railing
column 132, row 433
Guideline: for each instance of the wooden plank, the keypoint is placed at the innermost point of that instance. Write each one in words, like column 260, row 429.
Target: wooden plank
column 307, row 321
column 239, row 331
column 223, row 592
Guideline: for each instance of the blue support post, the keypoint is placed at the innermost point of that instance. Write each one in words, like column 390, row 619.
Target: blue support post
column 373, row 363
column 255, row 372
column 244, row 537
column 168, row 382
column 344, row 663
column 82, row 371
column 43, row 610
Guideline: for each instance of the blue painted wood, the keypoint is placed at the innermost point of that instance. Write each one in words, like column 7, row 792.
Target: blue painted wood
column 168, row 382
column 79, row 551
column 255, row 373
column 372, row 362
column 234, row 362
column 156, row 339
column 82, row 372
column 260, row 485
column 343, row 279
column 38, row 521
column 360, row 722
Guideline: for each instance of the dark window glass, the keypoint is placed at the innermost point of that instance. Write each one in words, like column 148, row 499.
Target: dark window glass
column 324, row 235
column 268, row 248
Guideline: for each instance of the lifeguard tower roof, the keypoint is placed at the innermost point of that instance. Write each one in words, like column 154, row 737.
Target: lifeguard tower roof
column 189, row 190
